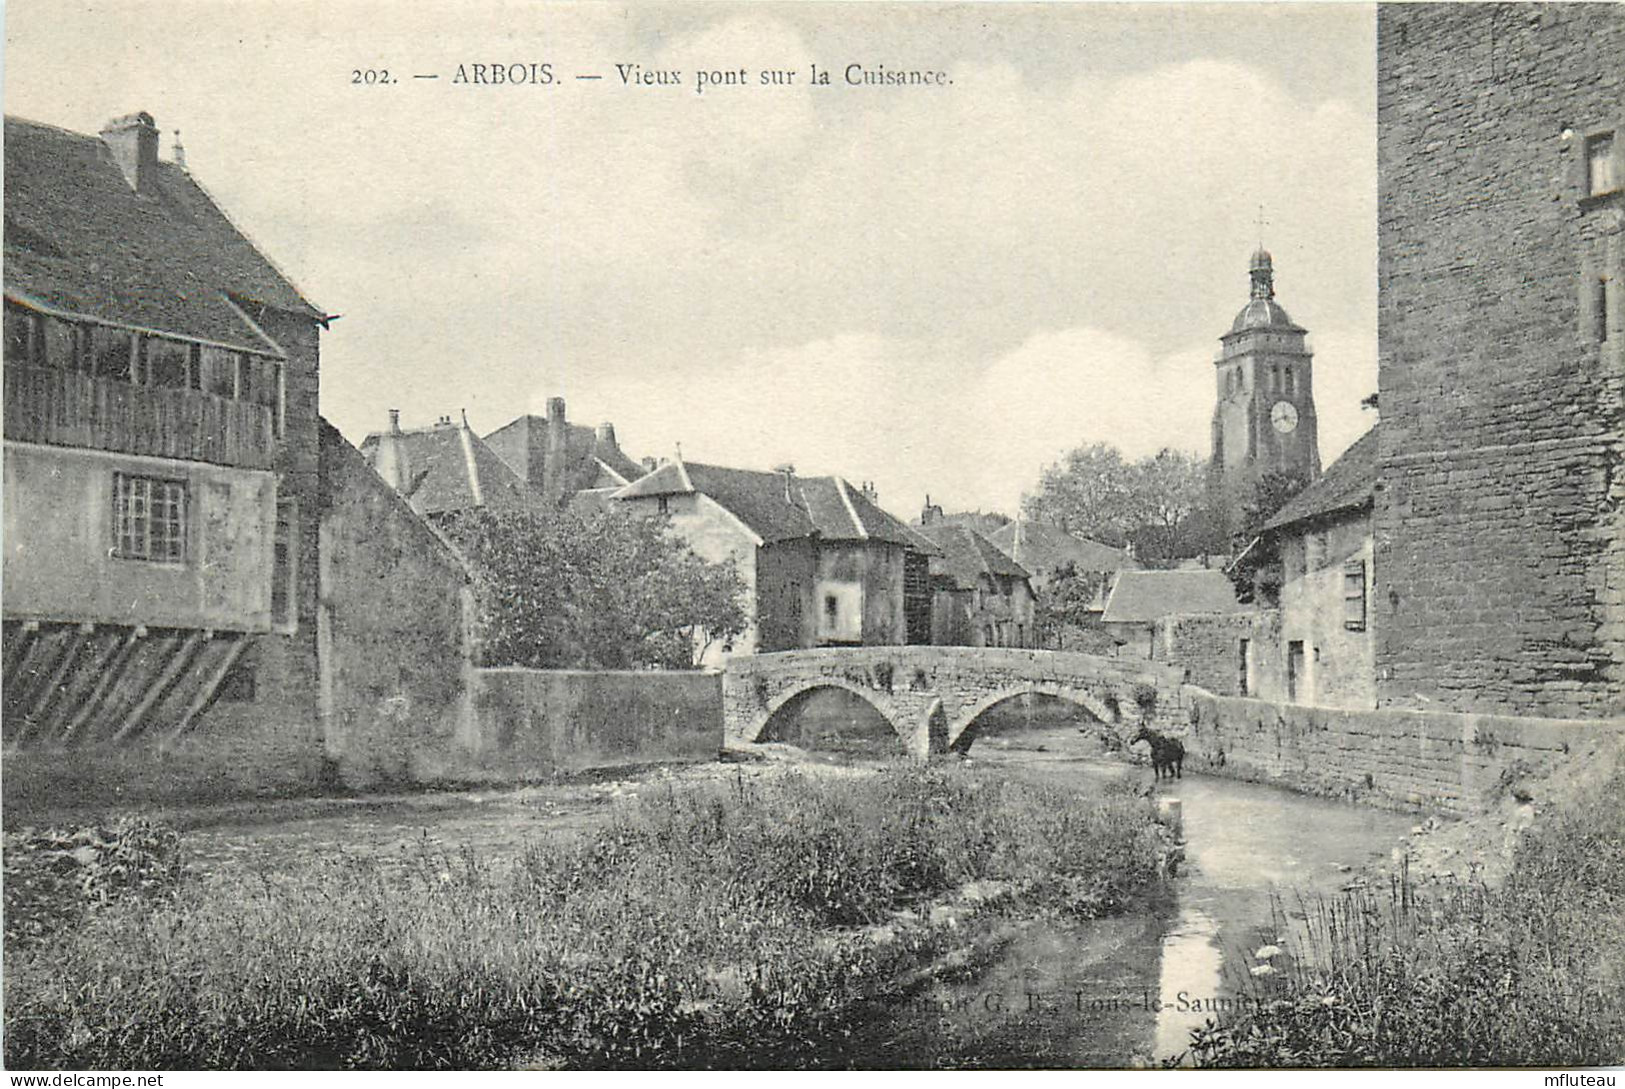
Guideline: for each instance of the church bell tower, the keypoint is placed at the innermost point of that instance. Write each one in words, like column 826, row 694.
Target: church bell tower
column 1264, row 418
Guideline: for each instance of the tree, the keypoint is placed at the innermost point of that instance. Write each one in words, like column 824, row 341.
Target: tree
column 1087, row 493
column 1155, row 502
column 1168, row 491
column 1256, row 573
column 605, row 590
column 1063, row 605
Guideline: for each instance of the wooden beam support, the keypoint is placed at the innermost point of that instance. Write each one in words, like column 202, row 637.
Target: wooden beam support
column 179, row 658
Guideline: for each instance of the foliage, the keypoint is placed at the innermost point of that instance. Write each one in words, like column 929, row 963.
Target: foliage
column 1460, row 974
column 714, row 927
column 1156, row 502
column 599, row 590
column 1257, row 573
column 1063, row 604
column 53, row 877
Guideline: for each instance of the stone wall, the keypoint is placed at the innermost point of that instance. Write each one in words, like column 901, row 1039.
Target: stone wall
column 393, row 631
column 534, row 724
column 1500, row 509
column 1206, row 648
column 1426, row 760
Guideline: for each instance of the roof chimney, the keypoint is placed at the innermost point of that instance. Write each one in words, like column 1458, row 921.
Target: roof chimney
column 787, row 471
column 394, row 421
column 133, row 142
column 555, row 410
column 606, row 433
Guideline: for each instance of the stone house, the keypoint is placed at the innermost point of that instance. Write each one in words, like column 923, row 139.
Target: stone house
column 1143, row 604
column 168, row 604
column 445, row 468
column 558, row 459
column 1044, row 550
column 822, row 564
column 1499, row 514
column 1324, row 652
column 979, row 596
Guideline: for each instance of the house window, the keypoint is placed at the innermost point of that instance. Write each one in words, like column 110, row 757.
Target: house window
column 1601, row 176
column 284, row 566
column 832, row 608
column 1599, row 307
column 1354, row 595
column 149, row 518
column 1243, row 660
column 663, row 504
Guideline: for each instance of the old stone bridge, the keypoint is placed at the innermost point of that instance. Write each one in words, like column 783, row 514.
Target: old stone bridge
column 933, row 696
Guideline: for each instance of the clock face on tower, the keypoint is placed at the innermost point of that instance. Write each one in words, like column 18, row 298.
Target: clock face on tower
column 1284, row 417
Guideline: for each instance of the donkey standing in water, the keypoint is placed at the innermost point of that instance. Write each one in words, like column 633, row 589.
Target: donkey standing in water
column 1167, row 753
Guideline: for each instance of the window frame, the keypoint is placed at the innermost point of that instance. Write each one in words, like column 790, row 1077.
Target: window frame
column 1609, row 138
column 1355, row 569
column 177, row 525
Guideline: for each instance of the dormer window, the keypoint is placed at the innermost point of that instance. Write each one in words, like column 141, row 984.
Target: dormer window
column 1602, row 170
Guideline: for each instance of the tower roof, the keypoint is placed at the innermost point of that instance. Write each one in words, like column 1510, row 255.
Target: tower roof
column 1262, row 311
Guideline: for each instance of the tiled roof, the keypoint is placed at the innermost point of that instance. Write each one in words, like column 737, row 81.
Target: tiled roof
column 80, row 241
column 451, row 469
column 1039, row 546
column 1345, row 485
column 585, row 455
column 777, row 509
column 1150, row 595
column 967, row 555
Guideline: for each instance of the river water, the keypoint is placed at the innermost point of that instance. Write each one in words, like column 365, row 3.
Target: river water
column 1128, row 991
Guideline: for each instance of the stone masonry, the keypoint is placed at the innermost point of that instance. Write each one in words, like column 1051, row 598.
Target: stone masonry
column 932, row 696
column 1500, row 505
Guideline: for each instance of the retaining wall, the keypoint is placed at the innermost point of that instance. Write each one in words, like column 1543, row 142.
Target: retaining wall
column 531, row 723
column 1428, row 760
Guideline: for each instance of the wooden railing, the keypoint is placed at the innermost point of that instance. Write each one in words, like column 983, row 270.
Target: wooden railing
column 67, row 408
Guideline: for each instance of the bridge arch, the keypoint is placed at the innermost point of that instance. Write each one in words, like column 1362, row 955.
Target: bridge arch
column 793, row 697
column 962, row 732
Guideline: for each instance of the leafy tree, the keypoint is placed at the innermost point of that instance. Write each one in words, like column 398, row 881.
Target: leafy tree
column 601, row 590
column 1256, row 573
column 1062, row 608
column 1087, row 493
column 1156, row 502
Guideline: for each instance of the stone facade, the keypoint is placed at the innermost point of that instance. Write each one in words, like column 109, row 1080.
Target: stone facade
column 933, row 696
column 1500, row 506
column 1213, row 651
column 1428, row 760
column 393, row 631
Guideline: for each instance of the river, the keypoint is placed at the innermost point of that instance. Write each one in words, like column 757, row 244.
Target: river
column 1128, row 990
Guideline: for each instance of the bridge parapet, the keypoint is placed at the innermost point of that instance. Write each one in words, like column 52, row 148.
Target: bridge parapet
column 932, row 696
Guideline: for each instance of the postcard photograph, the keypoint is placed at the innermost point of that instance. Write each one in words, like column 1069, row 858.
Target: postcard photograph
column 907, row 536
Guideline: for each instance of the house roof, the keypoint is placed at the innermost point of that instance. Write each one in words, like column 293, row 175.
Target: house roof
column 449, row 468
column 777, row 508
column 1039, row 546
column 585, row 453
column 967, row 555
column 1347, row 484
column 1143, row 596
column 80, row 242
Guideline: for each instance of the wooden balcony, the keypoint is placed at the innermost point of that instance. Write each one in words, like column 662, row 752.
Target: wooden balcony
column 68, row 408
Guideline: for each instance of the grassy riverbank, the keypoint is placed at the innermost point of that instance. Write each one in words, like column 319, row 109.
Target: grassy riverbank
column 739, row 924
column 1530, row 972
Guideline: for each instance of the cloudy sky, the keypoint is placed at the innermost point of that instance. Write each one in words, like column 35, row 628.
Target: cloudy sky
column 939, row 288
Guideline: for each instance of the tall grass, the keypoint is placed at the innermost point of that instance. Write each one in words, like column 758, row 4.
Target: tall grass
column 1531, row 973
column 713, row 927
